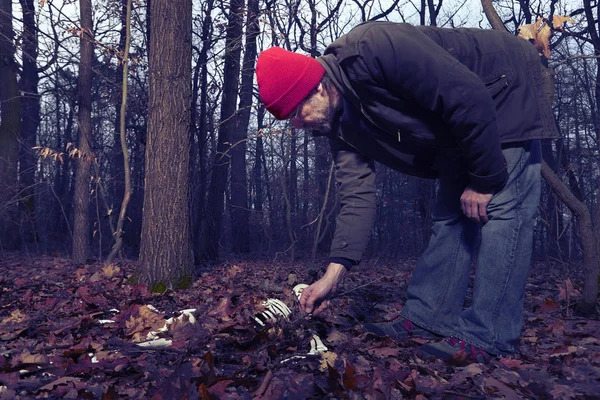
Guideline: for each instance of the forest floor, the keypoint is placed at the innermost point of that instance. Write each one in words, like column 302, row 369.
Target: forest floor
column 57, row 339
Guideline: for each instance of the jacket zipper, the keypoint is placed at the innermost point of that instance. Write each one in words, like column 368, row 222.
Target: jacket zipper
column 503, row 76
column 362, row 110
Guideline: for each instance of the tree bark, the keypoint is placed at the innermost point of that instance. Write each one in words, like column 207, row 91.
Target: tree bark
column 240, row 212
column 166, row 259
column 586, row 233
column 117, row 187
column 212, row 222
column 10, row 126
column 492, row 16
column 30, row 119
column 202, row 130
column 123, row 142
column 81, row 223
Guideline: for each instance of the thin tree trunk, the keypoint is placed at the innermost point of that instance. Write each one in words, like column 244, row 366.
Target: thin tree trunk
column 117, row 188
column 10, row 126
column 322, row 214
column 123, row 142
column 212, row 228
column 257, row 236
column 166, row 258
column 240, row 213
column 306, row 178
column 586, row 235
column 492, row 16
column 202, row 131
column 30, row 119
column 81, row 230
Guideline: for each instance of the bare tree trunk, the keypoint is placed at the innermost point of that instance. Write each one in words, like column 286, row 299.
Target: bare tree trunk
column 258, row 236
column 306, row 178
column 434, row 10
column 202, row 131
column 212, row 221
column 288, row 213
column 239, row 188
column 81, row 223
column 10, row 126
column 30, row 120
column 166, row 258
column 117, row 183
column 586, row 233
column 492, row 16
column 123, row 142
column 322, row 214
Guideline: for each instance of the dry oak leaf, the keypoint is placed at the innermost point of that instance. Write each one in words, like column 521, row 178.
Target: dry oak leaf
column 145, row 319
column 65, row 380
column 539, row 33
column 567, row 290
column 111, row 270
column 13, row 325
column 15, row 317
column 327, row 358
column 27, row 358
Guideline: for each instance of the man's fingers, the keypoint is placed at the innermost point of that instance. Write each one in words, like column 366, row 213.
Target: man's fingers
column 475, row 210
column 474, row 204
column 322, row 307
column 307, row 301
column 470, row 209
column 303, row 297
column 474, row 213
column 483, row 213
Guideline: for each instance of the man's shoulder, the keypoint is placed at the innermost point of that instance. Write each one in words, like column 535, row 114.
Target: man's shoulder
column 363, row 37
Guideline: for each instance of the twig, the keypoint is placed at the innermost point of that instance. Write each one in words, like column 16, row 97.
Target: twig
column 264, row 384
column 63, row 210
column 566, row 60
column 460, row 394
column 365, row 285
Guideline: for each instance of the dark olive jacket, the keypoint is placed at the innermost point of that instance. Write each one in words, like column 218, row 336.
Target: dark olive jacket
column 412, row 92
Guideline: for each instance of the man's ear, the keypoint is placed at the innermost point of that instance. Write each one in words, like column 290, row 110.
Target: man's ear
column 321, row 88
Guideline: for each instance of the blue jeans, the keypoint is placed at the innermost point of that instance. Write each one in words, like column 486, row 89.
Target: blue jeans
column 439, row 283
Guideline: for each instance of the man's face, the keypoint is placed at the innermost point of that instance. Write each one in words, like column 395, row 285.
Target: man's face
column 315, row 112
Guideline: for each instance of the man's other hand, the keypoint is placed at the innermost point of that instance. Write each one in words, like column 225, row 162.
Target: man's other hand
column 474, row 204
column 316, row 295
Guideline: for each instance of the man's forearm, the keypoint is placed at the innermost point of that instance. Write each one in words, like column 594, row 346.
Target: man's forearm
column 334, row 274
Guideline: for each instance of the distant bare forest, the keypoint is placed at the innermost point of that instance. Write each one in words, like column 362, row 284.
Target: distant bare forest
column 211, row 174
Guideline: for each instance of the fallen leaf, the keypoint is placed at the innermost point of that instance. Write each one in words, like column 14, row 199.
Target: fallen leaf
column 328, row 358
column 224, row 309
column 557, row 328
column 27, row 358
column 65, row 380
column 563, row 392
column 494, row 386
column 549, row 306
column 144, row 320
column 15, row 317
column 565, row 351
column 567, row 290
column 111, row 270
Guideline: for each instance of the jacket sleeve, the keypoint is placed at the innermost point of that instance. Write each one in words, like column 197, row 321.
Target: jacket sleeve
column 355, row 179
column 410, row 65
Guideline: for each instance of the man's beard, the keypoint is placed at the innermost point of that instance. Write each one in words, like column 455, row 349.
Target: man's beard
column 329, row 123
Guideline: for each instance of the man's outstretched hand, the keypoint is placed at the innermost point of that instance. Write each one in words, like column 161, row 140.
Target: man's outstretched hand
column 316, row 295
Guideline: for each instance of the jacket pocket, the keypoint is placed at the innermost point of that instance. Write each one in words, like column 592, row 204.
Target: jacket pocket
column 497, row 85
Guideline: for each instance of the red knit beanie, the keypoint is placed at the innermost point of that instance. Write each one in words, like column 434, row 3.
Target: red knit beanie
column 285, row 79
